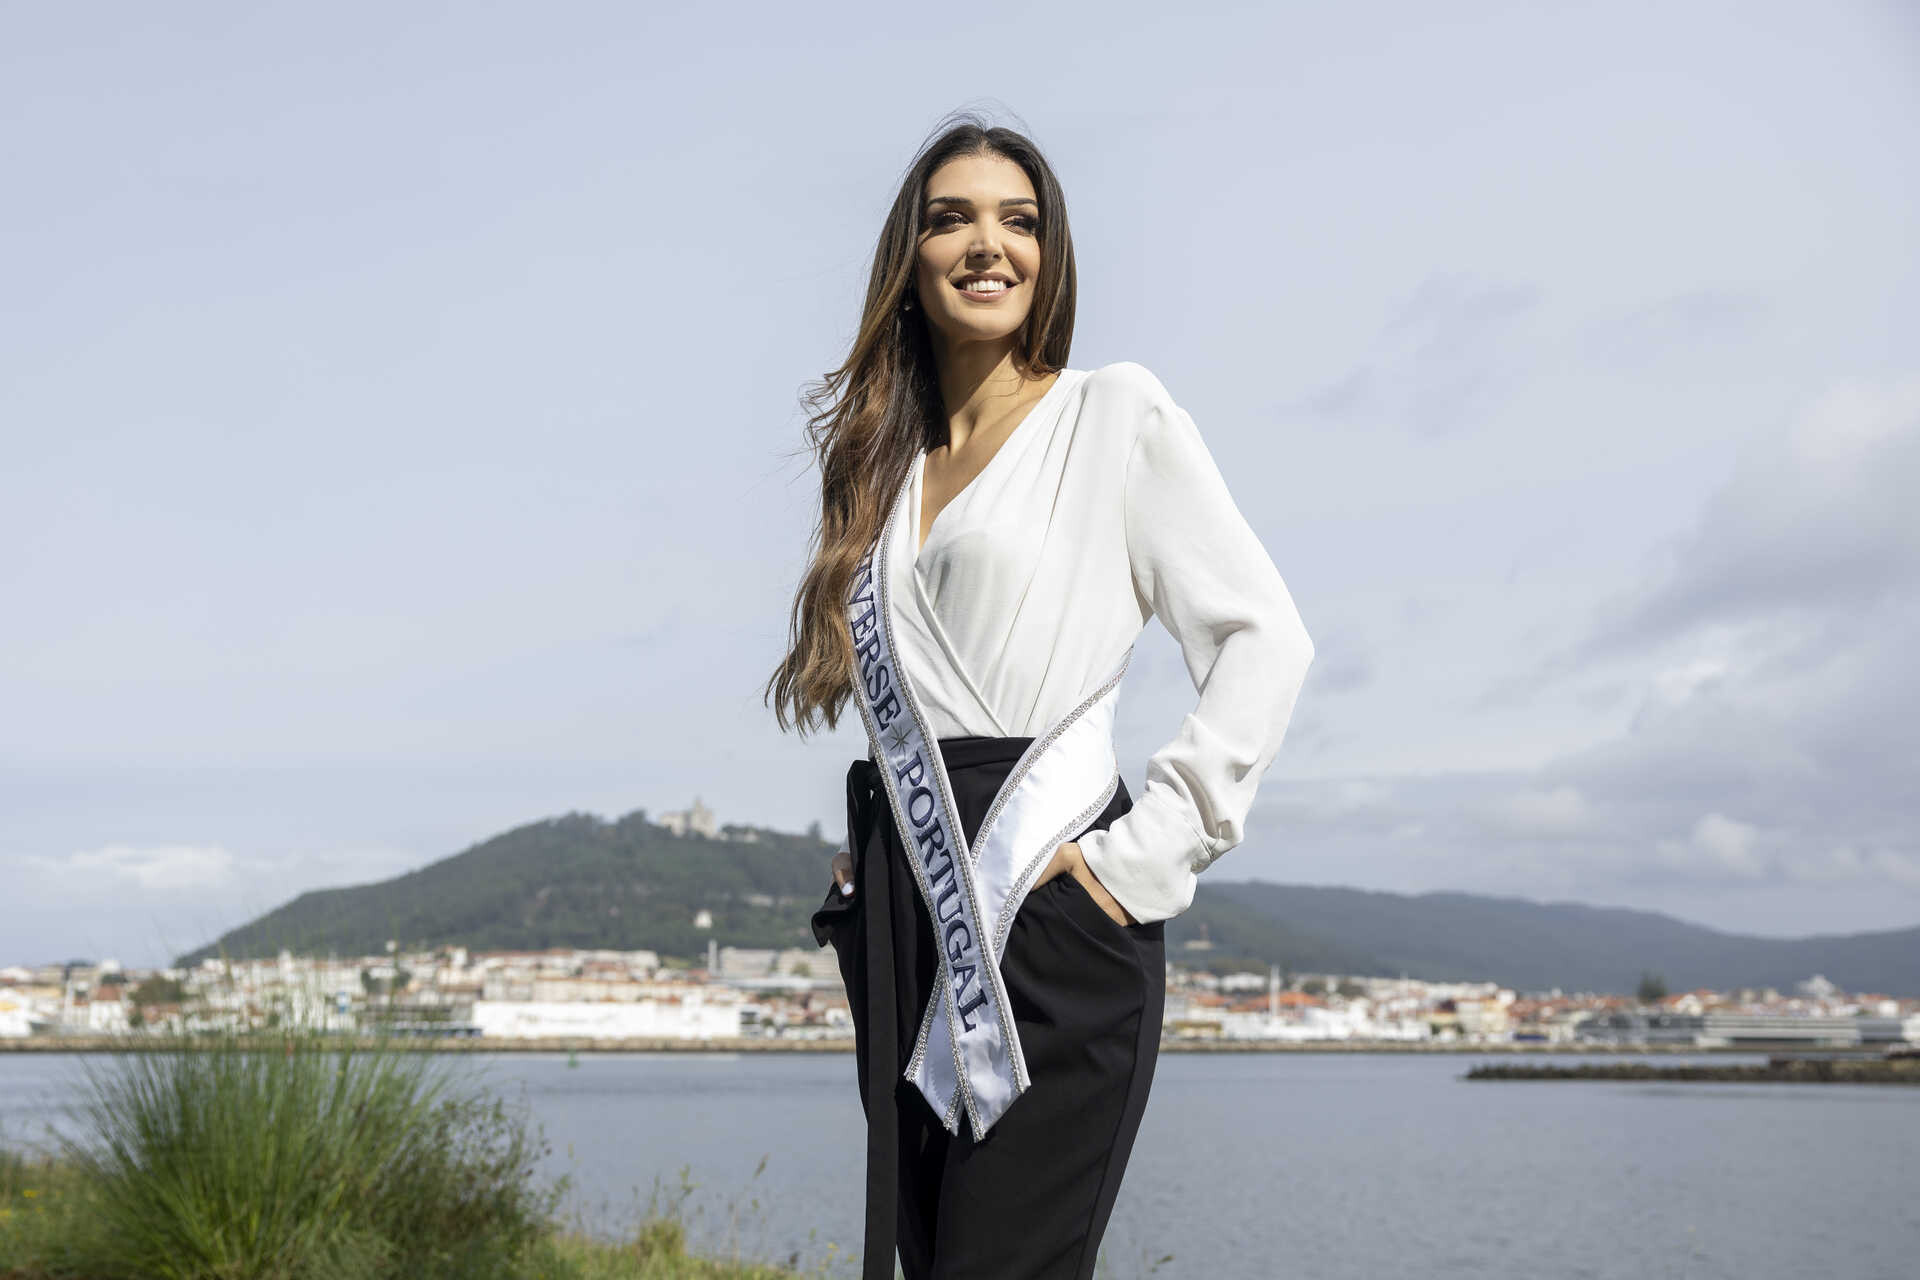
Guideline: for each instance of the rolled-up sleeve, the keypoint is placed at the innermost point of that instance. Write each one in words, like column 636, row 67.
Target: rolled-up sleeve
column 1211, row 582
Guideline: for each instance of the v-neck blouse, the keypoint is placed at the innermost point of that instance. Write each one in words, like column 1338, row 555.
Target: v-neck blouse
column 1101, row 510
column 1037, row 410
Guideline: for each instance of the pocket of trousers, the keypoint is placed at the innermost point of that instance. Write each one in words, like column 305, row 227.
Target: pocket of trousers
column 1093, row 916
column 836, row 923
column 832, row 917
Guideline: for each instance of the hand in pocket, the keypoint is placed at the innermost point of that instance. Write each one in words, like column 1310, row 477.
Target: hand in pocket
column 838, row 911
column 1068, row 861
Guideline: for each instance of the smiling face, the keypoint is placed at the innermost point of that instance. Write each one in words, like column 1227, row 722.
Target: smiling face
column 980, row 226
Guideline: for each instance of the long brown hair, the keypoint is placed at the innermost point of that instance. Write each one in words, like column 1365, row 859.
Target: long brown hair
column 871, row 416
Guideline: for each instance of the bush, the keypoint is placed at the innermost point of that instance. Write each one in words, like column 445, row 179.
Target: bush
column 291, row 1157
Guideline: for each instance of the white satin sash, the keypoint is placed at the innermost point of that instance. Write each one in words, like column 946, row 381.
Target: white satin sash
column 967, row 1052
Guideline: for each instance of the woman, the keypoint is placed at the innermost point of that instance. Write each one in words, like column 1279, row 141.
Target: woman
column 995, row 530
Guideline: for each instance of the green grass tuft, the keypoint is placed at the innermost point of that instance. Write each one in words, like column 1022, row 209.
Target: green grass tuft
column 292, row 1156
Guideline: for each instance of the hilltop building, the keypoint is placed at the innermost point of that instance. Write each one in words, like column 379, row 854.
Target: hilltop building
column 697, row 820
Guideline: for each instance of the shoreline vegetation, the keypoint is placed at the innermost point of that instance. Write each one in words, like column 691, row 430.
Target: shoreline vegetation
column 286, row 1155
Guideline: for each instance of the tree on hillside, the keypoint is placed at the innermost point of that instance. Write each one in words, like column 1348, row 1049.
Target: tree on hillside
column 1652, row 987
column 159, row 989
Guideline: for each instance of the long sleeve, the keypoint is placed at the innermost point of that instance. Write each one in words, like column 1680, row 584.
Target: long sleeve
column 1196, row 560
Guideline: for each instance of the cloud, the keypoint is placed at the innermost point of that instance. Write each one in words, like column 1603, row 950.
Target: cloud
column 1717, row 846
column 1777, row 649
column 159, row 868
column 1439, row 361
column 1344, row 801
column 1816, row 520
column 1773, row 729
column 1676, row 330
column 1679, row 683
column 146, row 903
column 1842, row 862
column 1791, row 564
column 1540, row 811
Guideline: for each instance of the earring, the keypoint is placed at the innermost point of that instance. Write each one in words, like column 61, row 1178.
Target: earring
column 906, row 303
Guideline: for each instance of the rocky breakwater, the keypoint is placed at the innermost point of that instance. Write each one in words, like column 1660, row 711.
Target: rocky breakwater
column 1898, row 1066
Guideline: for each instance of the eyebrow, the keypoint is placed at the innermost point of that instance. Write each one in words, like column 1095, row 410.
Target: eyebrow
column 1011, row 200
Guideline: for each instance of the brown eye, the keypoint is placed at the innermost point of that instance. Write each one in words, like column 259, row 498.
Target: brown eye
column 1030, row 223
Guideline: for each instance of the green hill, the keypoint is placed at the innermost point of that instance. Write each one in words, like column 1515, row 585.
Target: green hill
column 571, row 881
column 582, row 881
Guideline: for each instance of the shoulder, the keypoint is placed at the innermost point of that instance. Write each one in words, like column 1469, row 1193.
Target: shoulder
column 1128, row 384
column 1125, row 402
column 1140, row 415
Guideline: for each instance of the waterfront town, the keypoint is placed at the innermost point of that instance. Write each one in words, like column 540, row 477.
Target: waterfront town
column 794, row 998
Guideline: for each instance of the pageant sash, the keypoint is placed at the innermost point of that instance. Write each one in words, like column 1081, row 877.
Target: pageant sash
column 967, row 1053
column 1061, row 782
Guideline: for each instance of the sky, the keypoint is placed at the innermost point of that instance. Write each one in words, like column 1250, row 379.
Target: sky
column 403, row 438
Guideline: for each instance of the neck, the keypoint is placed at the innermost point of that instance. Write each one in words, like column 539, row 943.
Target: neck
column 978, row 382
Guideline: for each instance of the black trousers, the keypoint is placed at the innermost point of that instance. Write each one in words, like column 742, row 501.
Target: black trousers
column 1032, row 1199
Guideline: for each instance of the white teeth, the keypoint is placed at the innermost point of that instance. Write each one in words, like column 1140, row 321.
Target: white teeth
column 984, row 286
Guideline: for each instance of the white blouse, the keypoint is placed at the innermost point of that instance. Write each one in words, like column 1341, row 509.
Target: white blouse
column 1101, row 510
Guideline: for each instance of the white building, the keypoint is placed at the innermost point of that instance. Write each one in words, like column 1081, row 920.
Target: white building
column 694, row 1015
column 18, row 1019
column 698, row 820
column 104, row 1011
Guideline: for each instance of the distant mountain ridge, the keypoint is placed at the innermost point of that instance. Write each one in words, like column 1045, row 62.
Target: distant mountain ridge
column 579, row 880
column 1537, row 946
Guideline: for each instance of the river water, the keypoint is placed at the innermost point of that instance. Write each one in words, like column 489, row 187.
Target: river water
column 1343, row 1166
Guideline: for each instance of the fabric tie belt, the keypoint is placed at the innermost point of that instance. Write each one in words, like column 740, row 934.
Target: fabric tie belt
column 864, row 940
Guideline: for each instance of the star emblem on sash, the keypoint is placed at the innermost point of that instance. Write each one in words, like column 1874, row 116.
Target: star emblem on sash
column 897, row 737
